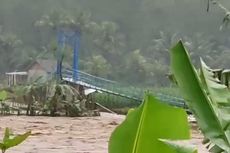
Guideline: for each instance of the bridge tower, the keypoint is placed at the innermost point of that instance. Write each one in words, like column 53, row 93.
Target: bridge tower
column 71, row 38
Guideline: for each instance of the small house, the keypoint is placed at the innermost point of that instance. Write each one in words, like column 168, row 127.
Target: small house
column 43, row 68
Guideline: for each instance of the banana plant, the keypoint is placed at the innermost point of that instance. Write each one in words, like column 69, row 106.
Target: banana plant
column 150, row 128
column 11, row 140
column 206, row 97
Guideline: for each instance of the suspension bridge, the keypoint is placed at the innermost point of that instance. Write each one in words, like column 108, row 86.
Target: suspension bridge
column 74, row 76
column 115, row 88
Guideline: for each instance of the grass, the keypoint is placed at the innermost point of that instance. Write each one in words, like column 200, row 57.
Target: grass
column 121, row 105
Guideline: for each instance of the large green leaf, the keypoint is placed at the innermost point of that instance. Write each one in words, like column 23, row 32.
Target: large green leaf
column 219, row 95
column 6, row 135
column 179, row 148
column 144, row 127
column 16, row 140
column 218, row 92
column 202, row 106
column 10, row 140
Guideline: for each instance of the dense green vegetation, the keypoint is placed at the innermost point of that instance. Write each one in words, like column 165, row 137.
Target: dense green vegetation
column 50, row 99
column 207, row 95
column 123, row 40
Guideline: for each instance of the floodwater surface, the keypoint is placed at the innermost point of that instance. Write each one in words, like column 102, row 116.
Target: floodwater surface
column 70, row 135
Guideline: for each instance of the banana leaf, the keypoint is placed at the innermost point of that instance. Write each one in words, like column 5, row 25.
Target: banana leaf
column 218, row 92
column 145, row 127
column 199, row 100
column 10, row 140
column 179, row 148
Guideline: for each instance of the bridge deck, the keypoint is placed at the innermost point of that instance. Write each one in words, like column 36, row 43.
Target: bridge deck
column 114, row 88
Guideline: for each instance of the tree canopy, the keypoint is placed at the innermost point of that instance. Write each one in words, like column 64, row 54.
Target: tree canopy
column 123, row 40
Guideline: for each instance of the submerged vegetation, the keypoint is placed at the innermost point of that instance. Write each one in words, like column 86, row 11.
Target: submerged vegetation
column 49, row 98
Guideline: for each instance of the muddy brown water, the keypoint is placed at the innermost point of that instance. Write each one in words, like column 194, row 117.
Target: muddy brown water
column 70, row 135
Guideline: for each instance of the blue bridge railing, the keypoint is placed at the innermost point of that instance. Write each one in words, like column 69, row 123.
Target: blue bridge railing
column 116, row 88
